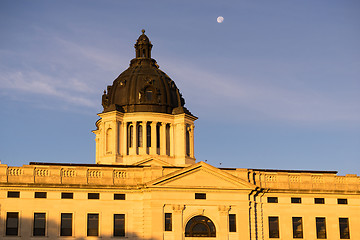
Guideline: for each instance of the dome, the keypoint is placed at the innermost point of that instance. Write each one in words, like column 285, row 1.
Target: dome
column 143, row 87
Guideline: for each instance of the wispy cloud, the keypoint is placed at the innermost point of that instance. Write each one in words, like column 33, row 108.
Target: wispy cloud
column 36, row 83
column 239, row 96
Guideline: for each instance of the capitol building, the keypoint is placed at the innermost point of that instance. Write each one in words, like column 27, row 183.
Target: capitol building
column 146, row 183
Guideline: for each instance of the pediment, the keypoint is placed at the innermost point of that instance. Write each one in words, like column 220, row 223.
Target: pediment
column 152, row 162
column 201, row 175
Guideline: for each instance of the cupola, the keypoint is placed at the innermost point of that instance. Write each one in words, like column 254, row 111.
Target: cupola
column 144, row 118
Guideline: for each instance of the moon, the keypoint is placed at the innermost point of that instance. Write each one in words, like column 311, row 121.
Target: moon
column 220, row 19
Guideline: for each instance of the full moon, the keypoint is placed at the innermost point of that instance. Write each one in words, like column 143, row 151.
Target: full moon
column 220, row 19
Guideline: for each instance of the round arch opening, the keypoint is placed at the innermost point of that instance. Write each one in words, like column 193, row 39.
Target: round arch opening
column 200, row 226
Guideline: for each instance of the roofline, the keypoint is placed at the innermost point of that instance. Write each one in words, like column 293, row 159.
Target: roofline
column 85, row 165
column 142, row 166
column 293, row 171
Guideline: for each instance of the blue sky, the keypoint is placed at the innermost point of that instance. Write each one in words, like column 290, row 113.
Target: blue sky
column 276, row 85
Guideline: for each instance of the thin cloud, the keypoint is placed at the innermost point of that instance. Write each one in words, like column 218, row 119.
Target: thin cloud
column 36, row 83
column 270, row 101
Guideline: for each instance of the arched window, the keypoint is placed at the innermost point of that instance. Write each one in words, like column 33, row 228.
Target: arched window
column 108, row 139
column 188, row 140
column 139, row 136
column 130, row 136
column 200, row 226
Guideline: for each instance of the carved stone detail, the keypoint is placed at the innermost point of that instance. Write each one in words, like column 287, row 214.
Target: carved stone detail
column 120, row 174
column 15, row 171
column 68, row 173
column 94, row 174
column 42, row 172
column 270, row 178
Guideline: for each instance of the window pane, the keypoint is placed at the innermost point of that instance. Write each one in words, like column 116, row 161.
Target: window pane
column 93, row 224
column 297, row 227
column 119, row 225
column 168, row 222
column 200, row 195
column 40, row 194
column 12, row 223
column 66, row 224
column 273, row 227
column 272, row 199
column 344, row 228
column 319, row 200
column 66, row 195
column 342, row 201
column 320, row 228
column 93, row 195
column 119, row 196
column 295, row 200
column 232, row 223
column 39, row 224
column 13, row 194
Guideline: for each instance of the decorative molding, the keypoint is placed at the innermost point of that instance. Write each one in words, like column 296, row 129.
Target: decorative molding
column 42, row 172
column 317, row 179
column 178, row 208
column 270, row 178
column 68, row 173
column 15, row 171
column 94, row 174
column 294, row 179
column 120, row 174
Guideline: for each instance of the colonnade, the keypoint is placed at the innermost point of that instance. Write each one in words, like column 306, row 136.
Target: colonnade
column 117, row 139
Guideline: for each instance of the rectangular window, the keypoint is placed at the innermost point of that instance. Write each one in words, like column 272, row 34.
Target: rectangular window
column 320, row 228
column 272, row 200
column 93, row 224
column 66, row 224
column 319, row 200
column 119, row 196
column 67, row 195
column 12, row 223
column 297, row 227
column 274, row 227
column 13, row 194
column 232, row 222
column 168, row 221
column 342, row 201
column 119, row 225
column 295, row 200
column 200, row 195
column 93, row 195
column 40, row 194
column 344, row 228
column 39, row 224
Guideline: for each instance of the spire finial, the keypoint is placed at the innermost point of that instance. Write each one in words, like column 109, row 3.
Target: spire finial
column 143, row 31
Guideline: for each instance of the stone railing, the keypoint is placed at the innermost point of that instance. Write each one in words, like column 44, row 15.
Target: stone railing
column 306, row 180
column 75, row 175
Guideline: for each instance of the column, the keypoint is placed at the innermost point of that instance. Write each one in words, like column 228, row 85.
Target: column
column 142, row 150
column 153, row 138
column 224, row 222
column 192, row 141
column 171, row 140
column 163, row 139
column 116, row 138
column 178, row 221
column 123, row 139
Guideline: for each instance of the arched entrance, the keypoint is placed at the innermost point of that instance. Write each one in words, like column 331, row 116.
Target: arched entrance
column 200, row 226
